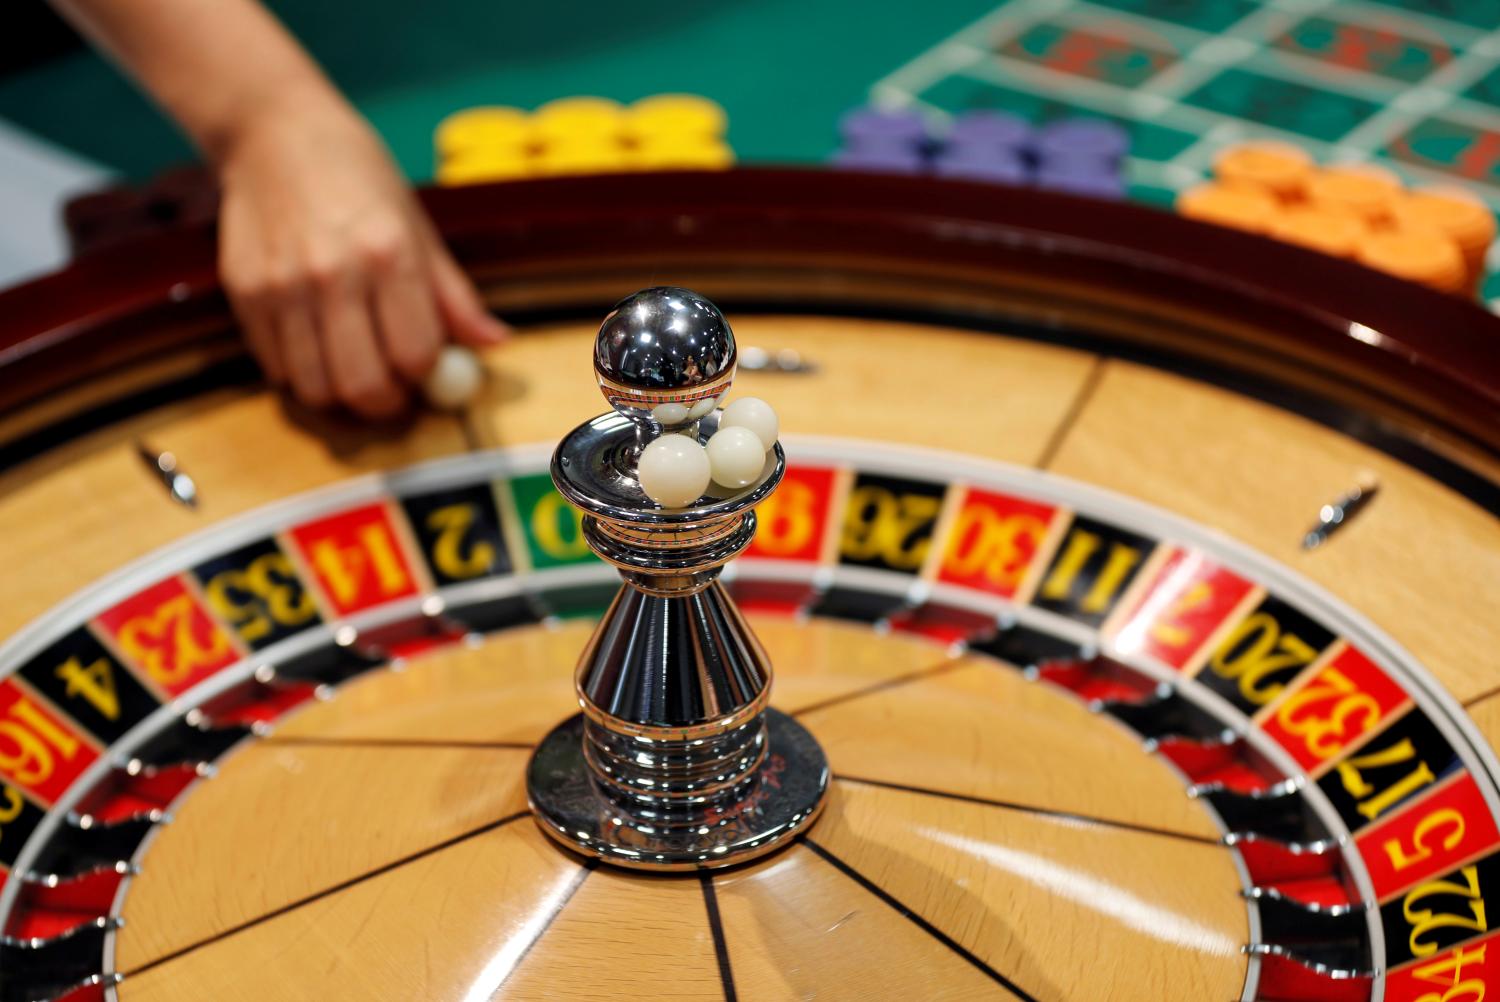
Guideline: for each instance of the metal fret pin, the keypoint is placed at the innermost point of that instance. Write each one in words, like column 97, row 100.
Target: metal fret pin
column 677, row 761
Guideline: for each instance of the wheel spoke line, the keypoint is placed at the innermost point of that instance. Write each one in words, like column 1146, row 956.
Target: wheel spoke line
column 1011, row 805
column 1075, row 411
column 922, row 674
column 314, row 741
column 343, row 885
column 920, row 922
column 1475, row 700
column 716, row 927
column 585, row 868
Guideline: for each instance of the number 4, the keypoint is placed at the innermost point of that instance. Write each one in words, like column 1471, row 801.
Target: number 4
column 95, row 683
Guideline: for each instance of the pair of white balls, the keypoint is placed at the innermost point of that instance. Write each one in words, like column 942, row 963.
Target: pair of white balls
column 675, row 470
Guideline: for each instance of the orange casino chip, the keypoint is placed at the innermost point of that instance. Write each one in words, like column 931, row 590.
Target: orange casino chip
column 1419, row 255
column 1240, row 207
column 1461, row 216
column 1279, row 168
column 1364, row 189
column 1335, row 232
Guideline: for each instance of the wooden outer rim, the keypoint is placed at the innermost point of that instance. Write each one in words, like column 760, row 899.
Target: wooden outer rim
column 1277, row 310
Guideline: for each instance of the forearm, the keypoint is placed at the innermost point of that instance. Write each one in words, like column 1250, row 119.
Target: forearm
column 217, row 66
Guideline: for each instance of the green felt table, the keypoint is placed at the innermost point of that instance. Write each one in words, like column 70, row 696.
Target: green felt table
column 1414, row 84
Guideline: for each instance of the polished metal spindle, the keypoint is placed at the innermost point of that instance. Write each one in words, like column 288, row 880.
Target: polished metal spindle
column 676, row 760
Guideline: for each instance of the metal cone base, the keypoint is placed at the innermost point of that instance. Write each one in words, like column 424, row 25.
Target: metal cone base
column 785, row 794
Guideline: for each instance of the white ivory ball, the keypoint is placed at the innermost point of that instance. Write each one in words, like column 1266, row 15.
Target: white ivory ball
column 674, row 471
column 755, row 414
column 702, row 407
column 454, row 379
column 735, row 457
column 670, row 414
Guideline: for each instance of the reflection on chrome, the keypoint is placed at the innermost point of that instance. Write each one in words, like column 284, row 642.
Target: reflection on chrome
column 1132, row 638
column 1091, row 892
column 501, row 964
column 1368, row 335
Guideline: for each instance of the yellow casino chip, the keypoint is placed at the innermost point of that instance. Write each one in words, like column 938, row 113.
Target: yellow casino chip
column 579, row 120
column 491, row 128
column 687, row 155
column 481, row 167
column 677, row 116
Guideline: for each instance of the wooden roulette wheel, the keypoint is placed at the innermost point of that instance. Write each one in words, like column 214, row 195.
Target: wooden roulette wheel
column 1040, row 580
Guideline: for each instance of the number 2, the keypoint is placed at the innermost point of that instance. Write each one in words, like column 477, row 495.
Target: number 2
column 451, row 523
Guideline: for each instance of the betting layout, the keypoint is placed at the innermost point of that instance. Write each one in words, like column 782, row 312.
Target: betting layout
column 1361, row 805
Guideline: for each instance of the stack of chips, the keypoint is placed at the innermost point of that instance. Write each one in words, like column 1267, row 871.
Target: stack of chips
column 1424, row 256
column 1084, row 156
column 1357, row 211
column 483, row 144
column 1238, row 207
column 894, row 140
column 582, row 135
column 578, row 135
column 1280, row 169
column 1454, row 213
column 1079, row 155
column 676, row 132
column 987, row 146
column 1362, row 190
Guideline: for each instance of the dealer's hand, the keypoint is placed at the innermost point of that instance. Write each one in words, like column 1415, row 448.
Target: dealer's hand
column 343, row 287
column 335, row 271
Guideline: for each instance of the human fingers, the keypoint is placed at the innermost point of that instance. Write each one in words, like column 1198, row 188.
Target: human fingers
column 463, row 313
column 405, row 313
column 302, row 355
column 247, row 284
column 357, row 370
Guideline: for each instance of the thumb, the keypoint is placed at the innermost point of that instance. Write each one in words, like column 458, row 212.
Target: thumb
column 464, row 314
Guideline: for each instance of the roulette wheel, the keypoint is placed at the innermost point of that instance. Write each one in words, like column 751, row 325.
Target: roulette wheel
column 1128, row 586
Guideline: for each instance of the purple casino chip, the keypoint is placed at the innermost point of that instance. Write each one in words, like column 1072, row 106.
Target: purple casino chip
column 883, row 127
column 990, row 130
column 1082, row 137
column 1081, row 163
column 1104, row 181
column 997, row 166
column 884, row 159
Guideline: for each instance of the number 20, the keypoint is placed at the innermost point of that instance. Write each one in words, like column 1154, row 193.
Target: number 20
column 1266, row 651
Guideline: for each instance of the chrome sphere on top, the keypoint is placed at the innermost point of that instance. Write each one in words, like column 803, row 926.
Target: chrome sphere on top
column 664, row 356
